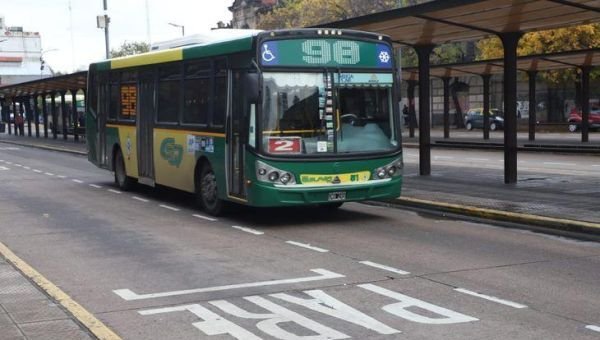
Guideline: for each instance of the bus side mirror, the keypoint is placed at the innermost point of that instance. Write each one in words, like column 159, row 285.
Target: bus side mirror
column 251, row 87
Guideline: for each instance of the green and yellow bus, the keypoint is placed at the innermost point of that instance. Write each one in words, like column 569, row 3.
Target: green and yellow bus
column 273, row 118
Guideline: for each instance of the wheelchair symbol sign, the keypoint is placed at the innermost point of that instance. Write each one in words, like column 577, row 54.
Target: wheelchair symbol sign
column 267, row 55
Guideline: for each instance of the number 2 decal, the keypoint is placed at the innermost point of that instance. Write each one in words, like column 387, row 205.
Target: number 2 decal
column 285, row 145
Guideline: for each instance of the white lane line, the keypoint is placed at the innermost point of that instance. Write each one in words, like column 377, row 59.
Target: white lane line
column 115, row 191
column 491, row 298
column 248, row 230
column 9, row 163
column 140, row 199
column 559, row 163
column 18, row 165
column 205, row 218
column 38, row 171
column 307, row 246
column 26, row 168
column 61, row 176
column 324, row 274
column 77, row 181
column 593, row 328
column 478, row 159
column 95, row 186
column 384, row 267
column 169, row 207
column 48, row 173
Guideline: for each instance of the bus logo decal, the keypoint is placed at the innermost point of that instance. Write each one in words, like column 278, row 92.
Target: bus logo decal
column 171, row 152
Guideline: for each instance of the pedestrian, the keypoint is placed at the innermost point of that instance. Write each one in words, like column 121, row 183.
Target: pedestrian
column 19, row 125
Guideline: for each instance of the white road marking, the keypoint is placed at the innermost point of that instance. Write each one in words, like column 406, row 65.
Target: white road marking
column 307, row 246
column 478, row 159
column 248, row 230
column 48, row 173
column 38, row 171
column 491, row 298
column 18, row 165
column 9, row 163
column 115, row 191
column 77, row 181
column 1, row 160
column 3, row 168
column 328, row 305
column 26, row 168
column 169, row 207
column 140, row 199
column 205, row 218
column 61, row 176
column 384, row 267
column 559, row 163
column 324, row 274
column 95, row 186
column 401, row 308
column 442, row 157
column 593, row 328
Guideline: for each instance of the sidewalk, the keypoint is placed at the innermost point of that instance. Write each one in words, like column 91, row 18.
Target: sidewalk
column 28, row 313
column 566, row 203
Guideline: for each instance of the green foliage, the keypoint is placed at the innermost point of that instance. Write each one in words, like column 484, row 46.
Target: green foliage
column 130, row 48
column 558, row 40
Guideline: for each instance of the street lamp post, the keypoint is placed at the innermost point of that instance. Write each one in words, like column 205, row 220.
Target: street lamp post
column 102, row 21
column 180, row 26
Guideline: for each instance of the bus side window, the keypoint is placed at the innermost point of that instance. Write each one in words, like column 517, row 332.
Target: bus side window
column 196, row 97
column 220, row 94
column 169, row 91
column 114, row 94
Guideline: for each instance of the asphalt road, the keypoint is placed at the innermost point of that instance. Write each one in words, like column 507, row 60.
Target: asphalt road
column 151, row 266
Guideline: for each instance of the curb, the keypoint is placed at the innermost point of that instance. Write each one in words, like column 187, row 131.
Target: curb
column 504, row 216
column 46, row 147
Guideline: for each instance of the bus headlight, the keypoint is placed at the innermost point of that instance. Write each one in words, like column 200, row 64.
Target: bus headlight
column 391, row 170
column 268, row 174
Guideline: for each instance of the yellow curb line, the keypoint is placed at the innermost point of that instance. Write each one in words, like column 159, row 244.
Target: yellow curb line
column 505, row 215
column 95, row 326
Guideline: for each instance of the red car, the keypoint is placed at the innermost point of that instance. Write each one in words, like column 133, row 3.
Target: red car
column 575, row 119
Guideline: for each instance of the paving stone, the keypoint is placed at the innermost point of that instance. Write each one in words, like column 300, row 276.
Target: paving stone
column 54, row 330
column 34, row 311
column 10, row 332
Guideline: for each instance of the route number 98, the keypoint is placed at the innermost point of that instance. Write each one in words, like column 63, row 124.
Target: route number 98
column 320, row 52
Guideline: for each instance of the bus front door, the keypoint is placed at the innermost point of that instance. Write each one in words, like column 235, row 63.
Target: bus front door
column 145, row 128
column 236, row 144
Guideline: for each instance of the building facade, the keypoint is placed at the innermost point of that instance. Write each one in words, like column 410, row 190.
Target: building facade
column 20, row 55
column 246, row 12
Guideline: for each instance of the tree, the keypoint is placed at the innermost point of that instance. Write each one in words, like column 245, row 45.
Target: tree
column 130, row 48
column 302, row 13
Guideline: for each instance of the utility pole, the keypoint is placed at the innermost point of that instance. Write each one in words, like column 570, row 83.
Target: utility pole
column 103, row 22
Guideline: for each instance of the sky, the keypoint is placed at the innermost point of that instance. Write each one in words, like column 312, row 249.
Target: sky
column 72, row 41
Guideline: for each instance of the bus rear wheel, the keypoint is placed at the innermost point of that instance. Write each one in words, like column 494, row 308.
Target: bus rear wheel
column 207, row 192
column 123, row 181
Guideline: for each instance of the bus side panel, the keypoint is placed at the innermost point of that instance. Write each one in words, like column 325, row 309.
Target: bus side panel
column 91, row 137
column 128, row 141
column 175, row 155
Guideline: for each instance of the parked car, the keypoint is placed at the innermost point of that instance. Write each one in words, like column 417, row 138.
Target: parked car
column 575, row 119
column 474, row 119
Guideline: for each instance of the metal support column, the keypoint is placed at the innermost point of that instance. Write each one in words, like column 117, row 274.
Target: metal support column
column 14, row 112
column 423, row 53
column 486, row 105
column 585, row 103
column 75, row 115
column 28, row 115
column 532, row 104
column 510, row 41
column 63, row 114
column 36, row 115
column 446, row 81
column 410, row 92
column 54, row 115
column 45, row 114
column 22, row 120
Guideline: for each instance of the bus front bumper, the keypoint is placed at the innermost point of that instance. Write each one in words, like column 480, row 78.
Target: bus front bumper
column 263, row 195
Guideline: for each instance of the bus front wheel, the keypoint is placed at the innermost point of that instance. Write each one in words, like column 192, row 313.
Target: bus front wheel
column 208, row 195
column 123, row 181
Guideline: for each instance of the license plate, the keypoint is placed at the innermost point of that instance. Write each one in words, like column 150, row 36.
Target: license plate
column 337, row 196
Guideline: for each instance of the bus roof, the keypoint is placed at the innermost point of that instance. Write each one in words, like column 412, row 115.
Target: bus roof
column 219, row 44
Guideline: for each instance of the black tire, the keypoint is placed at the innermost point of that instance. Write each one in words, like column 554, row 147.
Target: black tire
column 207, row 193
column 123, row 181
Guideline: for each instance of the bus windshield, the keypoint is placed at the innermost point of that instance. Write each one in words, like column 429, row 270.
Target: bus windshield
column 320, row 114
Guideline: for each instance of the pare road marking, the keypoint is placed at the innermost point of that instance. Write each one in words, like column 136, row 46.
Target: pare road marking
column 248, row 230
column 384, row 267
column 491, row 298
column 3, row 168
column 205, row 218
column 324, row 274
column 593, row 328
column 307, row 246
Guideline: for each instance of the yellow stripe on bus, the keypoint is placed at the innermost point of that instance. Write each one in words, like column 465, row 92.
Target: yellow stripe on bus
column 147, row 58
column 189, row 132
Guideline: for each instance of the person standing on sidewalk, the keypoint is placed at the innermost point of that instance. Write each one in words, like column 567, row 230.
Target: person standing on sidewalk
column 19, row 125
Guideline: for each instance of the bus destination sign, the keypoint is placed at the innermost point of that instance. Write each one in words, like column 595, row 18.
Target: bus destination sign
column 326, row 53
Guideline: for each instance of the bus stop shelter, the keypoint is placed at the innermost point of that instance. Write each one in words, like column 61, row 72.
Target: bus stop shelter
column 23, row 98
column 583, row 60
column 425, row 26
